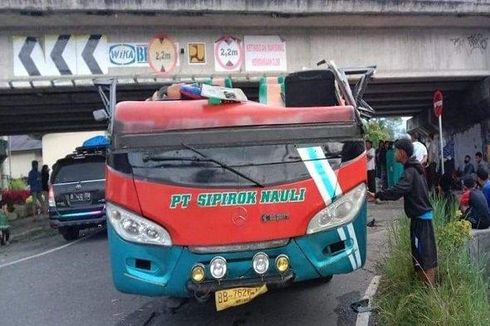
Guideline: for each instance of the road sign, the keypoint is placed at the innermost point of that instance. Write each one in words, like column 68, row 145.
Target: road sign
column 438, row 101
column 55, row 55
column 196, row 52
column 228, row 54
column 265, row 53
column 62, row 53
column 162, row 54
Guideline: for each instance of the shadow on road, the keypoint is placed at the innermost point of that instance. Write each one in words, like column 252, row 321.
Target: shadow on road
column 301, row 303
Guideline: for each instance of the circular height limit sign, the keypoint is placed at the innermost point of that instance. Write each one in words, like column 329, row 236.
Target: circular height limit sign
column 228, row 53
column 162, row 54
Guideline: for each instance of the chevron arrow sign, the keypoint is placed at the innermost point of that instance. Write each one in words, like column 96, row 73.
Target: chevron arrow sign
column 62, row 55
column 92, row 54
column 28, row 51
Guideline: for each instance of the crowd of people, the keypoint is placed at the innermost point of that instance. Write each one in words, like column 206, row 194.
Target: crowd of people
column 422, row 175
column 471, row 178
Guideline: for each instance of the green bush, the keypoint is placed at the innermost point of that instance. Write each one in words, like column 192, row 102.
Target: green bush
column 461, row 295
column 17, row 184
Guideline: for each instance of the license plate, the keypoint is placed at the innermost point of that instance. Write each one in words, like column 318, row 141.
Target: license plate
column 237, row 296
column 80, row 196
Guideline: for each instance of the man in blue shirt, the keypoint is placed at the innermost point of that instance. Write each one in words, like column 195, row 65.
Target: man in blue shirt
column 34, row 181
column 484, row 183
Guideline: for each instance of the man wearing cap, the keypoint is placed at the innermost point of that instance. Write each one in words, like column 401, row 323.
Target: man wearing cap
column 478, row 213
column 412, row 186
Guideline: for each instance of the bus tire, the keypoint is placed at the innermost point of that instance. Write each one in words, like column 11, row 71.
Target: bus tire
column 70, row 233
column 326, row 279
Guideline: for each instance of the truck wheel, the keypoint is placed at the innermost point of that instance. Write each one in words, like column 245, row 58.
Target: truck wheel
column 70, row 233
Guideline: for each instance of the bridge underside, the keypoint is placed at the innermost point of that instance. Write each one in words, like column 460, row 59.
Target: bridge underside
column 58, row 109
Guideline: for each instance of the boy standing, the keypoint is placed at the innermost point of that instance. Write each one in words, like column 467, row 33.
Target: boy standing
column 412, row 186
column 34, row 181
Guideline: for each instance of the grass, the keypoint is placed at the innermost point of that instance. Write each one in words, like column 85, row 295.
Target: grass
column 461, row 296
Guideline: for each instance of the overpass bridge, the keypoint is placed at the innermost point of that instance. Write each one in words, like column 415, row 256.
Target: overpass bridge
column 52, row 51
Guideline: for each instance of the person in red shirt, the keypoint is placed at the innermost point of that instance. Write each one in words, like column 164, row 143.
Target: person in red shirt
column 477, row 213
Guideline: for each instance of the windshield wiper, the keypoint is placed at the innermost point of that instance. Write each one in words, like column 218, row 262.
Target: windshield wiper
column 223, row 165
column 157, row 158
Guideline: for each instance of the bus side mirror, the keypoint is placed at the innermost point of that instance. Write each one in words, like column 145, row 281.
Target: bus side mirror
column 100, row 115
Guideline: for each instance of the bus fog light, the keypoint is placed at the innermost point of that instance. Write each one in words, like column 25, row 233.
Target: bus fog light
column 260, row 263
column 282, row 263
column 198, row 273
column 217, row 267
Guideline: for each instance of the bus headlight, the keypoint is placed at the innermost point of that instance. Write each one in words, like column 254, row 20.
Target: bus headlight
column 341, row 211
column 134, row 228
column 260, row 263
column 217, row 267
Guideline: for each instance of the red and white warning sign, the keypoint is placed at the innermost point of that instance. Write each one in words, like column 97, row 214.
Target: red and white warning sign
column 228, row 54
column 162, row 54
column 438, row 102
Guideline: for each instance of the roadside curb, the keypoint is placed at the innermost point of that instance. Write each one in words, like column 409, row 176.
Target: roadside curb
column 17, row 236
column 363, row 317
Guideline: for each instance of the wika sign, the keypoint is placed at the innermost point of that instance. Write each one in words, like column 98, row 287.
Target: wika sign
column 57, row 55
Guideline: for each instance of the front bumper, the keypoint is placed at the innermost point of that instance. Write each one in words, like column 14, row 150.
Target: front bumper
column 213, row 286
column 85, row 223
column 82, row 218
column 165, row 271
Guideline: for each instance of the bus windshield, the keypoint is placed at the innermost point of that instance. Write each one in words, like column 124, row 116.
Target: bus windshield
column 263, row 165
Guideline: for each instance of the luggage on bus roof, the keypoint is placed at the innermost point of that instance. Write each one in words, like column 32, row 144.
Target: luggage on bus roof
column 310, row 88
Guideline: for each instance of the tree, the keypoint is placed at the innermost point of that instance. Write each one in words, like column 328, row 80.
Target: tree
column 376, row 131
column 395, row 126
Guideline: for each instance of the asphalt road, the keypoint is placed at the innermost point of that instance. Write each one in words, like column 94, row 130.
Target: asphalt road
column 73, row 286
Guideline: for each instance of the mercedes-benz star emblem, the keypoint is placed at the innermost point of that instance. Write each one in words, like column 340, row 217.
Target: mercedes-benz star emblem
column 239, row 216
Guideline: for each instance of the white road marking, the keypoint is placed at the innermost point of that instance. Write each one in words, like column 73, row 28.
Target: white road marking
column 46, row 252
column 363, row 317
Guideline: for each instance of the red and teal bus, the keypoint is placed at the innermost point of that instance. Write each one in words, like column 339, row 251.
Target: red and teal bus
column 227, row 198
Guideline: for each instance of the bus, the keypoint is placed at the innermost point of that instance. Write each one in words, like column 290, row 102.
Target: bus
column 236, row 198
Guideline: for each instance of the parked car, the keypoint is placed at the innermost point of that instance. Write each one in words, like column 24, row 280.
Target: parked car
column 77, row 192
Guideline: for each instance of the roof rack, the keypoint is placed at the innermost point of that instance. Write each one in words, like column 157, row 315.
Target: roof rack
column 82, row 152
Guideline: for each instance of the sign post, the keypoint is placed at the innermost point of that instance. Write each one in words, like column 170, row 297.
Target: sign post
column 438, row 101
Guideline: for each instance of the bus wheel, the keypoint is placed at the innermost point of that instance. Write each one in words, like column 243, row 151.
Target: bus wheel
column 70, row 233
column 326, row 279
